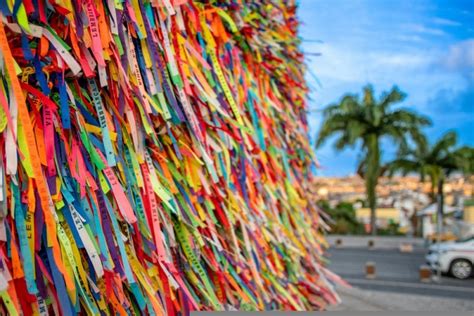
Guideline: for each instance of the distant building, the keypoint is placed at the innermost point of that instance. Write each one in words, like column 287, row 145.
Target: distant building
column 384, row 216
column 466, row 226
column 428, row 217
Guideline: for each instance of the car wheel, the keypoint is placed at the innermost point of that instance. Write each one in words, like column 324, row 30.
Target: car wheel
column 461, row 269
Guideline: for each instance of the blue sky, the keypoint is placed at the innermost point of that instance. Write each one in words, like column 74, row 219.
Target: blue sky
column 424, row 47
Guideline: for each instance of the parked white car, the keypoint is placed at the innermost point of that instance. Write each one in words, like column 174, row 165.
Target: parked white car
column 454, row 257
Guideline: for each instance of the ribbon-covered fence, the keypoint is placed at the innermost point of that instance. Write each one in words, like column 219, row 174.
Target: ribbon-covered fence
column 155, row 159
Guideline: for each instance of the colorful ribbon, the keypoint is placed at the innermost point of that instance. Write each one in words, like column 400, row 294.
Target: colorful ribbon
column 155, row 159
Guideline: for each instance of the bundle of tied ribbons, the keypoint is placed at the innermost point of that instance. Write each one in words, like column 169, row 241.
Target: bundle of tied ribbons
column 155, row 159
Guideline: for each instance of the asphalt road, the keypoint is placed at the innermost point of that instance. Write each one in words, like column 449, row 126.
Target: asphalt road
column 395, row 272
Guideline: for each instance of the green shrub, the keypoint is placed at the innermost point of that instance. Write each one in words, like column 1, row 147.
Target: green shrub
column 343, row 217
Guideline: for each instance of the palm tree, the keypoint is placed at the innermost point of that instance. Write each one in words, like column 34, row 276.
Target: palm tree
column 366, row 121
column 436, row 161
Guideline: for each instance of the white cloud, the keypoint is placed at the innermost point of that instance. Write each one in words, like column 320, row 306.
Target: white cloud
column 358, row 63
column 422, row 29
column 394, row 59
column 446, row 22
column 409, row 38
column 460, row 58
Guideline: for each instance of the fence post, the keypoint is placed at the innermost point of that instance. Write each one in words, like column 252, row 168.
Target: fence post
column 370, row 270
column 425, row 273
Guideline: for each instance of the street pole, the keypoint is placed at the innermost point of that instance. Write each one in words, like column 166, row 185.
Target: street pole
column 439, row 226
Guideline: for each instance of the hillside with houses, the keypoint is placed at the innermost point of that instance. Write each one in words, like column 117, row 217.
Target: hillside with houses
column 404, row 202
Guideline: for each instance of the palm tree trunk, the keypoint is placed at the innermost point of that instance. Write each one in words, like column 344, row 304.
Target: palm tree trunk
column 373, row 208
column 440, row 201
column 371, row 179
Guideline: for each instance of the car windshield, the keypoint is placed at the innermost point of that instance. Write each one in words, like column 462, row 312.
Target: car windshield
column 465, row 239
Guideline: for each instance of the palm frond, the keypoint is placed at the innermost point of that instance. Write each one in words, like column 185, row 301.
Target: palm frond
column 332, row 124
column 407, row 118
column 464, row 159
column 444, row 144
column 392, row 97
column 368, row 98
column 402, row 165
